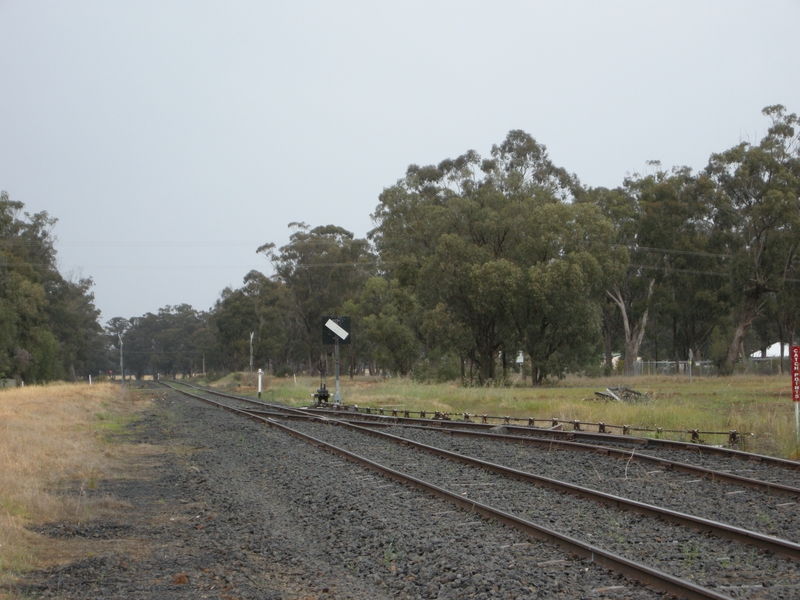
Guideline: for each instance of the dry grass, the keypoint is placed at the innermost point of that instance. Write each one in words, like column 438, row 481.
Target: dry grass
column 52, row 451
column 756, row 404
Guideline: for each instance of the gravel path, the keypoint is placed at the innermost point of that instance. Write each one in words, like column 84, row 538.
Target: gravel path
column 233, row 509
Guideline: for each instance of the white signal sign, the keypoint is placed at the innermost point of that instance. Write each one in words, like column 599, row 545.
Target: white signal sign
column 334, row 327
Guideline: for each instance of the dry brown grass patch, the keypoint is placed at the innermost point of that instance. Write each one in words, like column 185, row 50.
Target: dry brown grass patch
column 52, row 450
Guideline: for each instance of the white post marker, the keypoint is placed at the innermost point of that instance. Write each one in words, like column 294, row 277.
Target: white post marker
column 260, row 373
column 794, row 356
column 340, row 333
column 90, row 380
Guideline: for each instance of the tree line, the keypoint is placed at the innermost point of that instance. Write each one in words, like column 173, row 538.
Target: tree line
column 49, row 325
column 474, row 261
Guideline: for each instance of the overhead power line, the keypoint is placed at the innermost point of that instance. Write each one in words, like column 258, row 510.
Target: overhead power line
column 695, row 272
column 670, row 251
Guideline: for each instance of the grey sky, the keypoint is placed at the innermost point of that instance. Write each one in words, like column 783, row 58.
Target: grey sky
column 171, row 139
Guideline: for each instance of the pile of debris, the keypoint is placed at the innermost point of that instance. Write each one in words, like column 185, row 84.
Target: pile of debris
column 622, row 393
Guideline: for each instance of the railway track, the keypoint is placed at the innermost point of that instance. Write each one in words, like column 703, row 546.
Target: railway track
column 668, row 549
column 663, row 446
column 768, row 474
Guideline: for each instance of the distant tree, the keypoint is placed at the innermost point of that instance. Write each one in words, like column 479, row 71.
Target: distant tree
column 321, row 268
column 757, row 218
column 170, row 342
column 260, row 307
column 74, row 319
column 500, row 257
column 383, row 327
column 48, row 325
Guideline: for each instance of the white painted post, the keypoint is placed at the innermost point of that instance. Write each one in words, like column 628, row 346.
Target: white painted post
column 260, row 373
column 90, row 380
column 797, row 422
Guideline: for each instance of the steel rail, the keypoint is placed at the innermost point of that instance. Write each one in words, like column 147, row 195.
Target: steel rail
column 529, row 440
column 631, row 569
column 618, row 453
column 771, row 543
column 738, row 534
column 623, row 440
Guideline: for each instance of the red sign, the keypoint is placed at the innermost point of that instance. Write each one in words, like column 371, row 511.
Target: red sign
column 794, row 355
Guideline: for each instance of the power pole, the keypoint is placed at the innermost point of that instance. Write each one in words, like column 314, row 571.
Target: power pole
column 337, row 396
column 121, row 362
column 252, row 333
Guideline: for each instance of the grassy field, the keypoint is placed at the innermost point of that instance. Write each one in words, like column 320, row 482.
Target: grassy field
column 53, row 450
column 757, row 405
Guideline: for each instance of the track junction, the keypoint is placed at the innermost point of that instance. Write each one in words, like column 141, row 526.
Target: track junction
column 671, row 515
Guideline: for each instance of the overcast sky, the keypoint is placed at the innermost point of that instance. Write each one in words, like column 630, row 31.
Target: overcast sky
column 171, row 139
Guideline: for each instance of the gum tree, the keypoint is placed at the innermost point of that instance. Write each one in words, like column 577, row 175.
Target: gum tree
column 499, row 257
column 757, row 219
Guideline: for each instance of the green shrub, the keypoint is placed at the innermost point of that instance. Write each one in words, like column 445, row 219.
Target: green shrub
column 284, row 371
column 438, row 369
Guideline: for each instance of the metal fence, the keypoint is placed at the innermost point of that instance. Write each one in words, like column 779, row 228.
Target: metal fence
column 703, row 368
column 670, row 367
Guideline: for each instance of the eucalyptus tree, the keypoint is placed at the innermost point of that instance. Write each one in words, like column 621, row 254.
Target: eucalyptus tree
column 321, row 269
column 630, row 289
column 557, row 308
column 757, row 219
column 259, row 307
column 786, row 316
column 48, row 325
column 74, row 321
column 662, row 221
column 385, row 331
column 617, row 207
column 24, row 244
column 675, row 248
column 499, row 257
column 442, row 233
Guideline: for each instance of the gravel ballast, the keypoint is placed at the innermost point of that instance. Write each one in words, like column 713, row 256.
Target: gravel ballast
column 770, row 514
column 234, row 509
column 707, row 560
